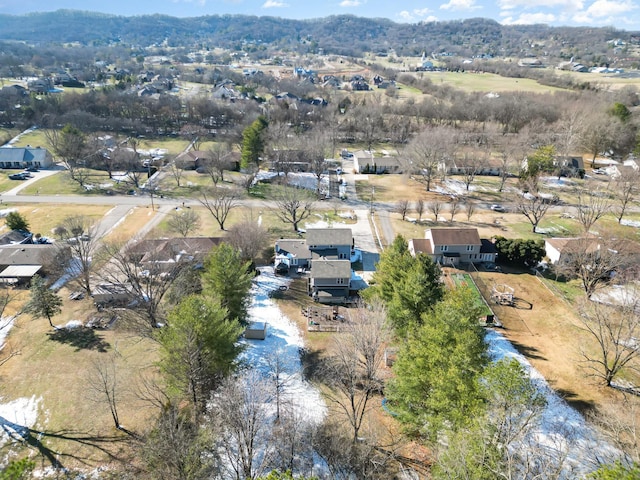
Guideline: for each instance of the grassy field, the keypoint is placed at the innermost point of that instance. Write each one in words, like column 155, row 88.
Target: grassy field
column 486, row 82
column 43, row 219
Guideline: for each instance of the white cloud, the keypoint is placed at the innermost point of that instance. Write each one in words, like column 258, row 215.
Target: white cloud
column 604, row 9
column 417, row 14
column 350, row 3
column 573, row 5
column 529, row 19
column 274, row 4
column 456, row 5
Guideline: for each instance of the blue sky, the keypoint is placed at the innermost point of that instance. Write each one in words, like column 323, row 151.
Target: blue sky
column 622, row 14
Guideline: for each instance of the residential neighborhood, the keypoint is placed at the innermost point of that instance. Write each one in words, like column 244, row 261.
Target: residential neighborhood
column 250, row 248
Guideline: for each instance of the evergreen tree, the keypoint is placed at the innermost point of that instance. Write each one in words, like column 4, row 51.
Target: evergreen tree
column 198, row 349
column 253, row 142
column 439, row 367
column 16, row 221
column 407, row 285
column 43, row 302
column 226, row 277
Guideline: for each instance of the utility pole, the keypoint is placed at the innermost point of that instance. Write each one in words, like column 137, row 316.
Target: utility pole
column 373, row 191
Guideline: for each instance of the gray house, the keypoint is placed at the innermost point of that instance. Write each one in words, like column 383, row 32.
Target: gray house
column 327, row 243
column 329, row 281
column 327, row 252
column 453, row 246
column 25, row 157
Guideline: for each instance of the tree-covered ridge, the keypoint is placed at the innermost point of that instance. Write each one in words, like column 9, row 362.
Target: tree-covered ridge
column 339, row 34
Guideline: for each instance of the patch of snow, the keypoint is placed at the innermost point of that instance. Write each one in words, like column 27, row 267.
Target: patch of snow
column 561, row 430
column 17, row 417
column 283, row 336
column 5, row 326
column 6, row 211
column 630, row 223
column 72, row 324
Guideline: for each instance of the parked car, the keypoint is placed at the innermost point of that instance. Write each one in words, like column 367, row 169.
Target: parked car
column 31, row 169
column 498, row 208
column 17, row 176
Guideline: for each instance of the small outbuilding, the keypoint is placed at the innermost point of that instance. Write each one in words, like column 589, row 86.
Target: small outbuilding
column 256, row 331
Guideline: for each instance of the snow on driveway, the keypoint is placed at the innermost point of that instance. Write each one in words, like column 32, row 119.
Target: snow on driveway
column 283, row 336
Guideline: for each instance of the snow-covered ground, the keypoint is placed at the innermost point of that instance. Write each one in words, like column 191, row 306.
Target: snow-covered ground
column 561, row 431
column 16, row 416
column 283, row 338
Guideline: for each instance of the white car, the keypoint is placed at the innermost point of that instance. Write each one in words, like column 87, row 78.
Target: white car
column 498, row 208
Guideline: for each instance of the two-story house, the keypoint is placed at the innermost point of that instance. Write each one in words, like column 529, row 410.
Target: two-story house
column 329, row 280
column 453, row 246
column 326, row 253
column 329, row 243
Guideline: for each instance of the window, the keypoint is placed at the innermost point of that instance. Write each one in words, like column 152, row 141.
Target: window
column 444, row 248
column 340, row 281
column 469, row 248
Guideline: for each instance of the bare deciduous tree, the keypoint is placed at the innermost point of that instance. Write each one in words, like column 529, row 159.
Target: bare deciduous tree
column 9, row 349
column 219, row 202
column 615, row 330
column 353, row 371
column 436, row 207
column 249, row 237
column 533, row 206
column 454, row 205
column 79, row 237
column 427, row 153
column 103, row 385
column 626, row 188
column 244, row 425
column 470, row 209
column 419, row 208
column 402, row 207
column 177, row 171
column 617, row 420
column 146, row 282
column 184, row 222
column 592, row 262
column 217, row 161
column 293, row 205
column 592, row 206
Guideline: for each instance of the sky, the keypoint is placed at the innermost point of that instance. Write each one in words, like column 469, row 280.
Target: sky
column 621, row 14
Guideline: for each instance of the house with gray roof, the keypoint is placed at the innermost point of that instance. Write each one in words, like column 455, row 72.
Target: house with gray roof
column 329, row 281
column 326, row 254
column 453, row 246
column 25, row 157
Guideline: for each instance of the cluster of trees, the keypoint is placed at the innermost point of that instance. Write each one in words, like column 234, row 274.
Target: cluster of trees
column 519, row 252
column 260, row 36
column 478, row 416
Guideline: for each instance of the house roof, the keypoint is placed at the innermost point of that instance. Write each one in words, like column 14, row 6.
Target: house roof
column 26, row 254
column 14, row 237
column 329, row 236
column 23, row 154
column 20, row 271
column 331, row 269
column 575, row 244
column 173, row 249
column 454, row 236
column 293, row 247
column 421, row 245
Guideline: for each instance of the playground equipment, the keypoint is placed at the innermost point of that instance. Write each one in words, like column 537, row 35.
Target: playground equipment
column 502, row 294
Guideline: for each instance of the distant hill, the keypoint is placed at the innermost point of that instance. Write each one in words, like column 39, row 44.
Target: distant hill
column 342, row 34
